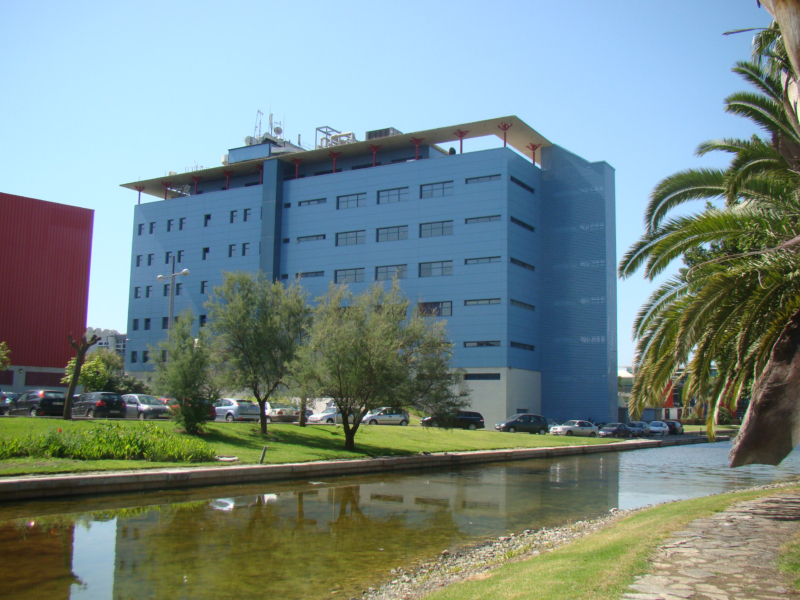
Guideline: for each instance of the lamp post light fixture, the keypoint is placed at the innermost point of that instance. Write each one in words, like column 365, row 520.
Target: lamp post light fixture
column 171, row 293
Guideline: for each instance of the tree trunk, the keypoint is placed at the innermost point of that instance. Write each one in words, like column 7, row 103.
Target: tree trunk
column 349, row 435
column 262, row 416
column 80, row 356
column 771, row 428
column 787, row 14
column 303, row 404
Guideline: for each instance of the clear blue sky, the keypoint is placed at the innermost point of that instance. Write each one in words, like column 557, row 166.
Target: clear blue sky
column 94, row 94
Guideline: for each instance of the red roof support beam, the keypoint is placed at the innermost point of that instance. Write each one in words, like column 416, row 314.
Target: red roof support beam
column 260, row 174
column 374, row 149
column 533, row 148
column 140, row 189
column 196, row 179
column 227, row 179
column 335, row 155
column 504, row 127
column 166, row 185
column 296, row 162
column 416, row 142
column 461, row 135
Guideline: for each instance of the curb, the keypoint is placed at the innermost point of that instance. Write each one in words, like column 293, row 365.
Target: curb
column 34, row 488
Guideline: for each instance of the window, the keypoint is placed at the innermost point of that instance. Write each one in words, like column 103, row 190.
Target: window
column 182, row 223
column 389, row 272
column 147, row 324
column 436, row 229
column 135, row 325
column 202, row 320
column 522, row 346
column 436, row 269
column 391, row 196
column 178, row 288
column 140, row 230
column 234, row 213
column 480, row 261
column 245, row 248
column 311, row 274
column 203, row 287
column 524, row 265
column 519, row 304
column 392, row 234
column 483, row 179
column 524, row 186
column 351, row 201
column 153, row 227
column 482, row 302
column 180, row 255
column 311, row 238
column 480, row 344
column 170, row 222
column 205, row 253
column 163, row 356
column 231, row 250
column 285, row 276
column 166, row 289
column 138, row 260
column 206, row 219
column 167, row 257
column 522, row 224
column 150, row 258
column 436, row 309
column 434, row 190
column 145, row 356
column 137, row 292
column 474, row 220
column 349, row 276
column 148, row 291
column 164, row 322
column 134, row 356
column 351, row 238
column 312, row 202
column 481, row 376
column 246, row 215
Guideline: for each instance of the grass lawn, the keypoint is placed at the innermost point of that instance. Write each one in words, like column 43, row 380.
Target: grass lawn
column 602, row 565
column 286, row 443
column 790, row 561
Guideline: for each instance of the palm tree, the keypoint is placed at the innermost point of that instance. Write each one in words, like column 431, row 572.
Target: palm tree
column 736, row 303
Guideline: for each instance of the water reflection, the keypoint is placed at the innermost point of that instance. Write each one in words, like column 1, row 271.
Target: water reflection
column 309, row 539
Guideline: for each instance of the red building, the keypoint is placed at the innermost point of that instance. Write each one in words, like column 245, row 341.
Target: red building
column 45, row 253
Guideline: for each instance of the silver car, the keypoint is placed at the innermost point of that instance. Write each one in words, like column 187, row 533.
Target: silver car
column 659, row 428
column 329, row 416
column 584, row 428
column 386, row 416
column 236, row 409
column 282, row 413
column 639, row 429
column 143, row 407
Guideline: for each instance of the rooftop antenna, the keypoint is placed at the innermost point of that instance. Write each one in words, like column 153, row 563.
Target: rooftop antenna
column 270, row 123
column 257, row 128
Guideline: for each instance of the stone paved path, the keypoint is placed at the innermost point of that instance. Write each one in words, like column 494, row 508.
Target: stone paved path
column 729, row 556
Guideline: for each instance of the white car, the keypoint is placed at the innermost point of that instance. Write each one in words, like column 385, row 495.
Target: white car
column 279, row 412
column 386, row 416
column 329, row 416
column 659, row 428
column 584, row 428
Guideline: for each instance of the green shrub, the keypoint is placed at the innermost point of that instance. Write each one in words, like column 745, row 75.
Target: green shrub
column 724, row 416
column 107, row 441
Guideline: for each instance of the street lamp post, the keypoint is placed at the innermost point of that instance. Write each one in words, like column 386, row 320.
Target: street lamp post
column 171, row 293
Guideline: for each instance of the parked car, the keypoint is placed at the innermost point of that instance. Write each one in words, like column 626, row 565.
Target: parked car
column 552, row 423
column 584, row 428
column 639, row 429
column 283, row 413
column 675, row 427
column 464, row 419
column 617, row 430
column 386, row 416
column 524, row 422
column 143, row 407
column 328, row 416
column 38, row 402
column 172, row 404
column 99, row 405
column 658, row 428
column 235, row 409
column 6, row 400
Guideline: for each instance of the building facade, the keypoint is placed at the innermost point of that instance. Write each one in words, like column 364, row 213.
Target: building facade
column 46, row 253
column 519, row 259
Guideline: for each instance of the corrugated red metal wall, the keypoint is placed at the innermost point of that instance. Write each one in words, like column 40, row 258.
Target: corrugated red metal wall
column 45, row 254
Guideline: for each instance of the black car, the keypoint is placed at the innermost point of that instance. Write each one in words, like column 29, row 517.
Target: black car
column 524, row 422
column 463, row 419
column 6, row 400
column 617, row 430
column 675, row 427
column 38, row 402
column 99, row 404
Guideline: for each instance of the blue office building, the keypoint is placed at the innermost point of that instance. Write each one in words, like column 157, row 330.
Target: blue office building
column 518, row 257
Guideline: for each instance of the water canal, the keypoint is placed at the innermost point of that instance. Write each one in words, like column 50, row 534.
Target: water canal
column 334, row 537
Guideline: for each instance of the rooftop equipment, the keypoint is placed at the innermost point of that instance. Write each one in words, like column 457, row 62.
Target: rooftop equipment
column 382, row 133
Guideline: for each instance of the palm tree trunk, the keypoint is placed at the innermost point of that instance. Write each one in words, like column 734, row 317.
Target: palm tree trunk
column 771, row 428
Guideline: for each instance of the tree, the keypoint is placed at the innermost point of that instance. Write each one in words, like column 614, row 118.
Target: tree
column 736, row 304
column 93, row 375
column 185, row 372
column 258, row 325
column 364, row 351
column 80, row 354
column 5, row 359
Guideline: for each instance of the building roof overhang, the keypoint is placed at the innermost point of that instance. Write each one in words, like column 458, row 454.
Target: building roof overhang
column 519, row 136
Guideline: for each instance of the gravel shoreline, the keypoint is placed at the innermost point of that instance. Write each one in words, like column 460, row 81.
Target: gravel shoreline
column 472, row 562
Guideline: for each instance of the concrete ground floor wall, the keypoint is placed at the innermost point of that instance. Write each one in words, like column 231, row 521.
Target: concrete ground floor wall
column 517, row 390
column 19, row 378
